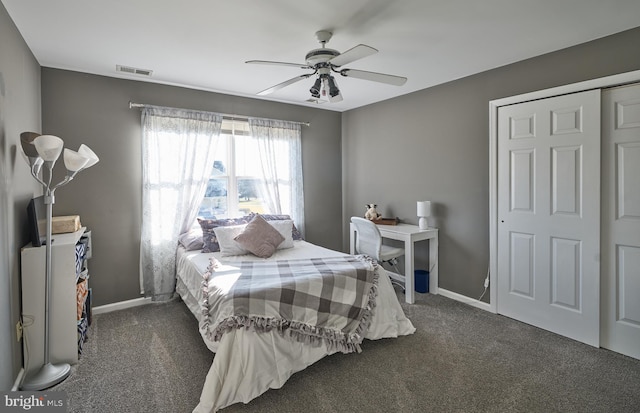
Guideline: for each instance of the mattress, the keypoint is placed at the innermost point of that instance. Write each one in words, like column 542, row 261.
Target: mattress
column 247, row 363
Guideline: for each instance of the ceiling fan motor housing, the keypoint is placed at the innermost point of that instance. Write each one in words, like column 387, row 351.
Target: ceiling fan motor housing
column 318, row 56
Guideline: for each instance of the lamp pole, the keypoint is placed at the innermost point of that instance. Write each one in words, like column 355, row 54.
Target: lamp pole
column 49, row 374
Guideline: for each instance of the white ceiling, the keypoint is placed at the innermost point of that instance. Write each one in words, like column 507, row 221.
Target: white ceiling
column 203, row 44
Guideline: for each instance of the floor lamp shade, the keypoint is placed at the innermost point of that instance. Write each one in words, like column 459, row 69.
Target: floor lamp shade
column 423, row 211
column 85, row 151
column 73, row 161
column 49, row 147
column 26, row 140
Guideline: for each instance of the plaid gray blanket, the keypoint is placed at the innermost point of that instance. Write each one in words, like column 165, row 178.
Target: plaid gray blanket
column 328, row 300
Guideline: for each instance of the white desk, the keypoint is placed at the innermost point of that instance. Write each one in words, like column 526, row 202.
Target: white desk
column 409, row 234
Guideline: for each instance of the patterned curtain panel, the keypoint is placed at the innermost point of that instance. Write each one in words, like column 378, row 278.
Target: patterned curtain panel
column 279, row 143
column 178, row 148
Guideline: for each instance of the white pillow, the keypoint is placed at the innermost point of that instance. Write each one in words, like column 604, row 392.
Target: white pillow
column 284, row 227
column 192, row 239
column 228, row 245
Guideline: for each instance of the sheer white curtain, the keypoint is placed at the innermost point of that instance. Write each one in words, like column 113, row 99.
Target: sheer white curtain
column 280, row 148
column 178, row 148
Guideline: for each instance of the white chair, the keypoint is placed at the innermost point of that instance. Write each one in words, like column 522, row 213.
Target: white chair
column 369, row 242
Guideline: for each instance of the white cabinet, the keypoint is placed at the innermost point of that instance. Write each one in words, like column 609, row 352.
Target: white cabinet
column 68, row 264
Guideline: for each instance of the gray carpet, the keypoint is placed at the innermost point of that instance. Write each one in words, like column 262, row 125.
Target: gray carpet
column 461, row 359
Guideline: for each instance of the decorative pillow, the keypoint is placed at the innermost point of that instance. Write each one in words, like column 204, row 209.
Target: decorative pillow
column 285, row 229
column 228, row 245
column 260, row 238
column 297, row 236
column 210, row 242
column 192, row 239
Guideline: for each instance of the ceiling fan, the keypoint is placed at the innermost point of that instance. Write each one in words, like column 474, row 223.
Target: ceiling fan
column 323, row 62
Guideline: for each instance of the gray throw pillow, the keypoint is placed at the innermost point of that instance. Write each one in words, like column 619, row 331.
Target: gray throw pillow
column 260, row 238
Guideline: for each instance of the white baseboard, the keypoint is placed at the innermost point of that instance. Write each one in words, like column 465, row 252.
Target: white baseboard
column 121, row 305
column 464, row 299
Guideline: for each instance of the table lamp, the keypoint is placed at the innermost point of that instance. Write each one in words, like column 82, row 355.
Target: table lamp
column 424, row 210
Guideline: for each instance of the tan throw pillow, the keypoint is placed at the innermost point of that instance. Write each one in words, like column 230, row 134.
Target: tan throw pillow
column 260, row 238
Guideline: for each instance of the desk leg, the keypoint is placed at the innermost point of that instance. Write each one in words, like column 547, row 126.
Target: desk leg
column 352, row 240
column 433, row 262
column 409, row 294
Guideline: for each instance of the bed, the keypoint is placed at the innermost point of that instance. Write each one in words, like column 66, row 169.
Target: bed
column 249, row 361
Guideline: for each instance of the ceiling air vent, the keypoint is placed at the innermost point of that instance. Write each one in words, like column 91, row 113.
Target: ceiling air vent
column 134, row 70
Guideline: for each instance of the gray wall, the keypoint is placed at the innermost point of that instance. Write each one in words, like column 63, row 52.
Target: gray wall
column 19, row 112
column 434, row 145
column 83, row 108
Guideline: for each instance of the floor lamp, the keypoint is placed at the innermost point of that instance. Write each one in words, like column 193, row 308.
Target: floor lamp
column 44, row 150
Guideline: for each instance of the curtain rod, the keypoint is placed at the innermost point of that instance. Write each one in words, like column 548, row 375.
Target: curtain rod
column 224, row 115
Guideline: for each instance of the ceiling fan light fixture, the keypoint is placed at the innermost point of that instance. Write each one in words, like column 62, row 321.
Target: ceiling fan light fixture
column 333, row 87
column 315, row 89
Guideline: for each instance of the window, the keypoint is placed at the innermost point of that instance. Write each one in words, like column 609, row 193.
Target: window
column 236, row 183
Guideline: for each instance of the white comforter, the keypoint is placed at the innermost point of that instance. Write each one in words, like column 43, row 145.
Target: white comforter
column 246, row 363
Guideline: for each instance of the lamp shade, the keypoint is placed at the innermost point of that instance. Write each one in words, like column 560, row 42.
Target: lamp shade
column 74, row 161
column 88, row 153
column 424, row 208
column 26, row 140
column 49, row 147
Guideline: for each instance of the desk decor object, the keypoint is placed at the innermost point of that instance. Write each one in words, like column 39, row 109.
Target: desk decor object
column 371, row 214
column 424, row 211
column 387, row 221
column 39, row 151
column 65, row 224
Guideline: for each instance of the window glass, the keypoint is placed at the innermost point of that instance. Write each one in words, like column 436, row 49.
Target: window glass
column 247, row 157
column 214, row 204
column 234, row 186
column 249, row 199
column 248, row 175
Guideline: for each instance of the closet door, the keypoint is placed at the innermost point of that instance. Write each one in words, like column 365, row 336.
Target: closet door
column 549, row 214
column 621, row 220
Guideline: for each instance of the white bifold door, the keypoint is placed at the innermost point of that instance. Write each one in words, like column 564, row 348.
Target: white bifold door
column 549, row 214
column 620, row 329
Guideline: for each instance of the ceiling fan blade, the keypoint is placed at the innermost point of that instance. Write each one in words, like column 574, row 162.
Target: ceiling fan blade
column 353, row 54
column 375, row 77
column 269, row 62
column 284, row 84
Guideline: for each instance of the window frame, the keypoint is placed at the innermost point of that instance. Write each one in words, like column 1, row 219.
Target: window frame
column 229, row 132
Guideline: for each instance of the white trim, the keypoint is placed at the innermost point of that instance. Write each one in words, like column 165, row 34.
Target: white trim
column 121, row 305
column 16, row 383
column 494, row 105
column 493, row 205
column 467, row 300
column 603, row 82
